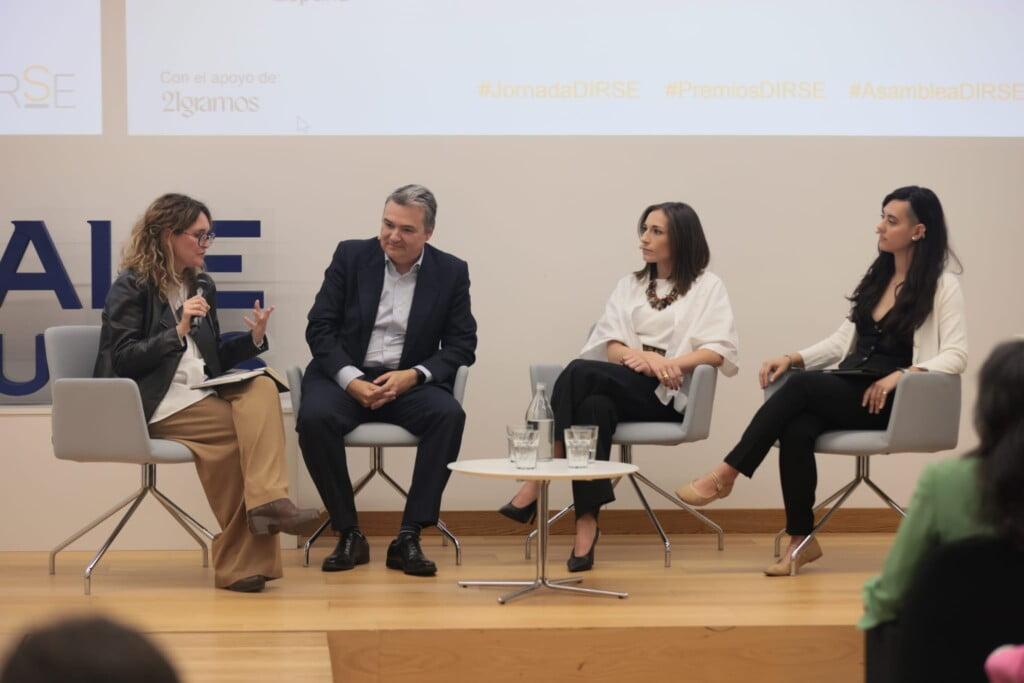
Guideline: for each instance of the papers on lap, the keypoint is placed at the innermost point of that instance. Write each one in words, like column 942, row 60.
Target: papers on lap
column 234, row 376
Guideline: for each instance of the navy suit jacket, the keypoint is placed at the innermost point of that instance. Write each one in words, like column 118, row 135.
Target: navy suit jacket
column 440, row 335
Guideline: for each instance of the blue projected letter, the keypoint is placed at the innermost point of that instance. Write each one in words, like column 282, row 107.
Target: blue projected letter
column 54, row 276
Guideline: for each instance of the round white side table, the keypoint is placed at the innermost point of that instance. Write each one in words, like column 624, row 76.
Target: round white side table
column 544, row 474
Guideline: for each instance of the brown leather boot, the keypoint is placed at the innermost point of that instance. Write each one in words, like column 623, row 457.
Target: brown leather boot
column 281, row 515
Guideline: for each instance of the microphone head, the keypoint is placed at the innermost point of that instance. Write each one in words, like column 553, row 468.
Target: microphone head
column 204, row 284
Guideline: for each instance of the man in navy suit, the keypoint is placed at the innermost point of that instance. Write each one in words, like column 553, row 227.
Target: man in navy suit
column 388, row 330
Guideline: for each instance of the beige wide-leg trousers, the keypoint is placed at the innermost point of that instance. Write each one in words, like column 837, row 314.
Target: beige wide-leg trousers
column 238, row 440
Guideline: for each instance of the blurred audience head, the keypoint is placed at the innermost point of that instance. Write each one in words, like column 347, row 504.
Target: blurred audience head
column 86, row 650
column 999, row 420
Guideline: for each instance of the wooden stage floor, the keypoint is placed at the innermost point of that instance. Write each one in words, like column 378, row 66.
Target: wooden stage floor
column 711, row 616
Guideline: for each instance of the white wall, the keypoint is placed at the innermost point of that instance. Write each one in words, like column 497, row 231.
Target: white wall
column 547, row 226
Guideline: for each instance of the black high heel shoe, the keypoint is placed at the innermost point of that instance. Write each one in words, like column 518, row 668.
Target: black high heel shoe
column 523, row 515
column 585, row 563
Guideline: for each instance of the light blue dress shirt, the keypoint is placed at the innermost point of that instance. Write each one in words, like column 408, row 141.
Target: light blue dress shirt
column 388, row 336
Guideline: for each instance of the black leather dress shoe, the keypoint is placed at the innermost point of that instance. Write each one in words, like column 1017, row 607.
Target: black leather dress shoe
column 352, row 549
column 523, row 515
column 585, row 563
column 250, row 584
column 406, row 554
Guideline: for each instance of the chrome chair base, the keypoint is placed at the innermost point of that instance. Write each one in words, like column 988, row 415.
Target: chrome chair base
column 377, row 468
column 542, row 581
column 133, row 501
column 626, row 455
column 861, row 476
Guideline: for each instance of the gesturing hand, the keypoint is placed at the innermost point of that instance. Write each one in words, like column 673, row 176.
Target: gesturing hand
column 258, row 325
column 876, row 394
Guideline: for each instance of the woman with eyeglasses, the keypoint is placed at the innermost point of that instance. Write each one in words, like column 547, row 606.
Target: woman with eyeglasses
column 160, row 329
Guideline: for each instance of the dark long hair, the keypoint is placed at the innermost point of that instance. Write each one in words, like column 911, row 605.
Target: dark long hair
column 916, row 296
column 999, row 419
column 690, row 252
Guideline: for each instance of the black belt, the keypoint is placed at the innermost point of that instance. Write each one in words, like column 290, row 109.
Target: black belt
column 660, row 352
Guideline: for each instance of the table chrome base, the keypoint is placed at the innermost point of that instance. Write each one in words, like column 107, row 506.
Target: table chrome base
column 542, row 580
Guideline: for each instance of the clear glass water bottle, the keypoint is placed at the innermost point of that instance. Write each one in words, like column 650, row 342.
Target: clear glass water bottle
column 539, row 416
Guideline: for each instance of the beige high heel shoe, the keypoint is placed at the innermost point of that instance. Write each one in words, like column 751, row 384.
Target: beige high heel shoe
column 691, row 496
column 811, row 552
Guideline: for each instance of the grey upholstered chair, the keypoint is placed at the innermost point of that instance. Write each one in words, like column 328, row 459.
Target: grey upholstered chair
column 101, row 420
column 925, row 418
column 695, row 426
column 376, row 436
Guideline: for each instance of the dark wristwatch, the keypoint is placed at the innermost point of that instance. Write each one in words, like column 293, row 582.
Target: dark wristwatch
column 420, row 376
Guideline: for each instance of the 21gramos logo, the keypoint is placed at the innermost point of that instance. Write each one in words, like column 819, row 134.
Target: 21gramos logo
column 38, row 86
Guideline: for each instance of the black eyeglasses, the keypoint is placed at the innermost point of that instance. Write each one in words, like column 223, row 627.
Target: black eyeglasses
column 202, row 238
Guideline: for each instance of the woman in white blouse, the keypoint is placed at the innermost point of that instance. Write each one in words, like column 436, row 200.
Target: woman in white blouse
column 906, row 315
column 160, row 329
column 659, row 324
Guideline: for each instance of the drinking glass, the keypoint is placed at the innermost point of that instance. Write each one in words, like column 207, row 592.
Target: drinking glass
column 577, row 448
column 591, row 434
column 524, row 448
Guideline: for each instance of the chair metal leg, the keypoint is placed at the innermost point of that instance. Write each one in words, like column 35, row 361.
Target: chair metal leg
column 885, row 496
column 170, row 507
column 817, row 508
column 196, row 524
column 793, row 567
column 311, row 540
column 654, row 521
column 90, row 526
column 446, row 533
column 866, row 475
column 701, row 517
column 355, row 491
column 117, row 530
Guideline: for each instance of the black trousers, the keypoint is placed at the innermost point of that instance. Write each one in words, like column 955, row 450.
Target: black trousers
column 603, row 394
column 808, row 404
column 328, row 413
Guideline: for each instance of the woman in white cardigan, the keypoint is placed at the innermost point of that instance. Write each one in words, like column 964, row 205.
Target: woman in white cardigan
column 907, row 315
column 659, row 324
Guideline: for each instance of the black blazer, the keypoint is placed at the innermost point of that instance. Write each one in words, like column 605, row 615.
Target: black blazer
column 440, row 335
column 138, row 339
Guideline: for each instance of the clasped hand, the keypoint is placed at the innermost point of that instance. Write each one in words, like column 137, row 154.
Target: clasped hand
column 384, row 389
column 654, row 365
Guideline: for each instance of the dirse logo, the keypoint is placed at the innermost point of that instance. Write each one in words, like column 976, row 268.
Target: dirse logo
column 38, row 87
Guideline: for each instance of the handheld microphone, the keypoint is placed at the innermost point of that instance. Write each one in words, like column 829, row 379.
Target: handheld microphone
column 197, row 320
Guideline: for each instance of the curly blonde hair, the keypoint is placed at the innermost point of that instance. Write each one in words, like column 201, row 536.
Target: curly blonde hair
column 148, row 252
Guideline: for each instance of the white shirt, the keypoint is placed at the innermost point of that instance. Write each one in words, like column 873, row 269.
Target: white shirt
column 388, row 336
column 940, row 343
column 191, row 370
column 655, row 328
column 701, row 319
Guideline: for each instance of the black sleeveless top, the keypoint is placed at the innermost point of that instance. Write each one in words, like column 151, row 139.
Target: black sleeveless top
column 879, row 351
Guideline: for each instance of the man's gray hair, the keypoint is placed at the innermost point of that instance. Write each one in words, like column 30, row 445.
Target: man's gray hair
column 416, row 195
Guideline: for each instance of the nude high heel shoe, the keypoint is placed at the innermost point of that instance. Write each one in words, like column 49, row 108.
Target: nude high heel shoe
column 811, row 552
column 689, row 495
